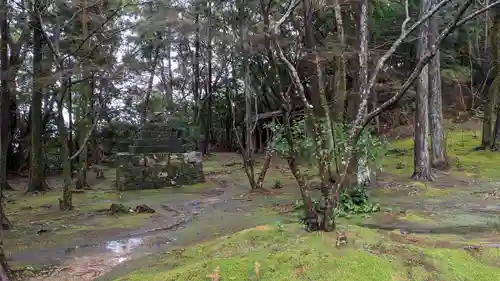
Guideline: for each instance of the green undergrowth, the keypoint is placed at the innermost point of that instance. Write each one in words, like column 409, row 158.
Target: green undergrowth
column 464, row 159
column 286, row 252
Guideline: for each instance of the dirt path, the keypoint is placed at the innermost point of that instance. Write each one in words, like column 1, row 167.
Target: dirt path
column 175, row 223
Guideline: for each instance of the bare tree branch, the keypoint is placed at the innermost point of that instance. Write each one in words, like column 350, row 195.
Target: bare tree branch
column 456, row 22
column 476, row 13
column 291, row 7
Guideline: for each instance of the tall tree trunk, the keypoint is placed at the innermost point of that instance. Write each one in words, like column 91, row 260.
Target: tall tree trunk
column 422, row 163
column 4, row 127
column 310, row 61
column 491, row 98
column 66, row 203
column 340, row 71
column 149, row 89
column 196, row 67
column 208, row 118
column 249, row 141
column 71, row 145
column 363, row 171
column 4, row 96
column 496, row 132
column 4, row 267
column 312, row 218
column 169, row 87
column 37, row 177
column 86, row 115
column 439, row 159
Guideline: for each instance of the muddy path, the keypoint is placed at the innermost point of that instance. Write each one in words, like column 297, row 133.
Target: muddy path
column 176, row 222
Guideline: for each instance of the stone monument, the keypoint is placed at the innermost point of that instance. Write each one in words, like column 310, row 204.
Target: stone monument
column 157, row 159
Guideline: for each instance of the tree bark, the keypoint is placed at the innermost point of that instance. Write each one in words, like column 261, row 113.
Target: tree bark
column 439, row 158
column 492, row 106
column 66, row 204
column 4, row 129
column 310, row 61
column 363, row 172
column 340, row 71
column 4, row 96
column 249, row 128
column 196, row 67
column 208, row 119
column 312, row 218
column 422, row 163
column 490, row 100
column 37, row 177
column 85, row 104
column 4, row 267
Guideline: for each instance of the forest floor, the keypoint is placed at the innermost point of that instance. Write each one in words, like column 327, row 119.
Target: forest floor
column 446, row 230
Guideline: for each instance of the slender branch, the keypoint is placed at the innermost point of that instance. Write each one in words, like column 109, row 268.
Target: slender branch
column 81, row 9
column 476, row 13
column 287, row 14
column 87, row 138
column 456, row 22
column 381, row 62
column 112, row 16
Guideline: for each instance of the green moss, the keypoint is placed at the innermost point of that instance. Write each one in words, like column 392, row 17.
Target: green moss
column 285, row 266
column 417, row 218
column 460, row 147
column 282, row 253
column 30, row 213
column 427, row 190
column 419, row 273
column 206, row 184
column 286, row 252
column 488, row 255
column 459, row 265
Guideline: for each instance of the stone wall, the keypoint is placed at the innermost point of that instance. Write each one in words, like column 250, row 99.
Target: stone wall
column 156, row 160
column 150, row 171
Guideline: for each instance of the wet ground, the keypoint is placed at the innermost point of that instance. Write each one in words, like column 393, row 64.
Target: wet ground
column 181, row 219
column 450, row 206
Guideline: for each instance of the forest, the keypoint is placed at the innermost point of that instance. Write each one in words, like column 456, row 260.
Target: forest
column 249, row 139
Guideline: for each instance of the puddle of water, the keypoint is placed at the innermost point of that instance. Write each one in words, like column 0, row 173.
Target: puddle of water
column 123, row 247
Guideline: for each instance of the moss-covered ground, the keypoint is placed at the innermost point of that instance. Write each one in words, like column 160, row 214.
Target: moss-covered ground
column 444, row 230
column 426, row 231
column 465, row 160
column 286, row 252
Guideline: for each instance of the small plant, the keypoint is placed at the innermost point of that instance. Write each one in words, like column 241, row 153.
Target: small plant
column 280, row 226
column 356, row 201
column 277, row 184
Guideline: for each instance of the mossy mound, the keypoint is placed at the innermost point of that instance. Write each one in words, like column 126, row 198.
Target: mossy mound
column 285, row 252
column 272, row 253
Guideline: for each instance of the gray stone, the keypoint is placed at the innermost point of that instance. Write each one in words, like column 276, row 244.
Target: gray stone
column 153, row 160
column 193, row 157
